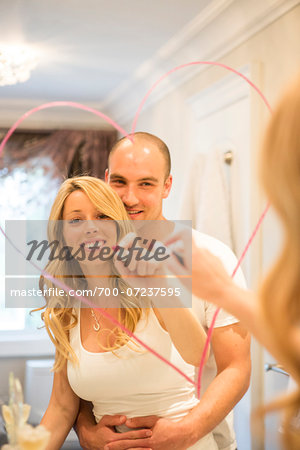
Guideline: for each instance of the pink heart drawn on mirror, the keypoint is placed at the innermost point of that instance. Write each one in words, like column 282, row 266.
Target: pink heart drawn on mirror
column 124, row 133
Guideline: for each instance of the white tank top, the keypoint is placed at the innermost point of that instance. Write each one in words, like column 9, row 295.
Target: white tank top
column 135, row 383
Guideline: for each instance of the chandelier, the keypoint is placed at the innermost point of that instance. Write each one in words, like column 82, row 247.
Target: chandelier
column 16, row 64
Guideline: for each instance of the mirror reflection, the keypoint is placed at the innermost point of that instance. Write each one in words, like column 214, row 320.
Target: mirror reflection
column 198, row 133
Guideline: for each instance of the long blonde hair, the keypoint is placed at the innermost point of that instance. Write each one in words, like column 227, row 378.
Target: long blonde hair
column 280, row 292
column 59, row 316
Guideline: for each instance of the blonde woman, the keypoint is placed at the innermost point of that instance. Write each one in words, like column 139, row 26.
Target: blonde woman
column 95, row 360
column 274, row 316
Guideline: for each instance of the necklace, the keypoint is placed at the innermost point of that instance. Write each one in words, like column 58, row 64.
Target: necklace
column 97, row 324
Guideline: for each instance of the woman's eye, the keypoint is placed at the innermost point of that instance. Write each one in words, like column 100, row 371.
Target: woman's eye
column 103, row 217
column 74, row 221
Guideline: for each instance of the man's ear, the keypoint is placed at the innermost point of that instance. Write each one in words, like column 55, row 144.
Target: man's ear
column 106, row 175
column 167, row 186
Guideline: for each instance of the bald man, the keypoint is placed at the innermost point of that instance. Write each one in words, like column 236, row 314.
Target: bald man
column 139, row 171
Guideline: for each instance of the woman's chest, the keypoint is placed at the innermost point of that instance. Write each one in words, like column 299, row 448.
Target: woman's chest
column 97, row 332
column 127, row 372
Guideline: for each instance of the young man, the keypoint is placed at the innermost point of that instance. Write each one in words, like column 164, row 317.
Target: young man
column 139, row 172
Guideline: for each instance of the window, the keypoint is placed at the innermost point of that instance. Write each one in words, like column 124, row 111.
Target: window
column 25, row 193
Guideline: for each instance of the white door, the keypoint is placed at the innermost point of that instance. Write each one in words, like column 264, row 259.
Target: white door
column 222, row 122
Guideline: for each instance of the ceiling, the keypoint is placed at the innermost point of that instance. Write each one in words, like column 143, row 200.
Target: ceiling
column 88, row 48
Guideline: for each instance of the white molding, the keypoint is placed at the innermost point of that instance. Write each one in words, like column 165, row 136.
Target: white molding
column 52, row 118
column 180, row 40
column 199, row 41
column 194, row 27
column 221, row 94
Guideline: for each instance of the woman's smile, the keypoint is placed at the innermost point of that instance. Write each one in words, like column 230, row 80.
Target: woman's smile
column 94, row 244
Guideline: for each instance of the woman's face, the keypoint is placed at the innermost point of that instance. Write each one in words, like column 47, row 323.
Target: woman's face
column 88, row 229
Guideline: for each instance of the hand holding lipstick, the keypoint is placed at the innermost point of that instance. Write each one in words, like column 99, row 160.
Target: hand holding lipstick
column 144, row 265
column 209, row 277
column 140, row 257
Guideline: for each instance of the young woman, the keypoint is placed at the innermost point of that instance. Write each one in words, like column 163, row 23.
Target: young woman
column 274, row 316
column 95, row 359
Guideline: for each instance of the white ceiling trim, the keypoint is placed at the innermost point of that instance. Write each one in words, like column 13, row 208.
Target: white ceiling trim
column 180, row 41
column 186, row 46
column 57, row 117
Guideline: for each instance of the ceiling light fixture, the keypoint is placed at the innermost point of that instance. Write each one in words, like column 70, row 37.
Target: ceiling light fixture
column 16, row 64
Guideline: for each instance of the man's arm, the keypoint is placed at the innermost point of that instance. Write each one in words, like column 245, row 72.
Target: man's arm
column 94, row 436
column 231, row 346
column 85, row 424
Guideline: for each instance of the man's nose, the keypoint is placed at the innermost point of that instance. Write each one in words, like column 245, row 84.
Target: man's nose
column 129, row 197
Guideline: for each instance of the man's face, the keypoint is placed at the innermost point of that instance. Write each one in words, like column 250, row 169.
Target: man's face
column 137, row 173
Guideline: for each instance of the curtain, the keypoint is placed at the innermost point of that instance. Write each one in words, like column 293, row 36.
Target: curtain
column 72, row 152
column 92, row 153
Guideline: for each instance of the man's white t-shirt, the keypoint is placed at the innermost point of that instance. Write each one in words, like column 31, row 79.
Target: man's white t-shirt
column 224, row 433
